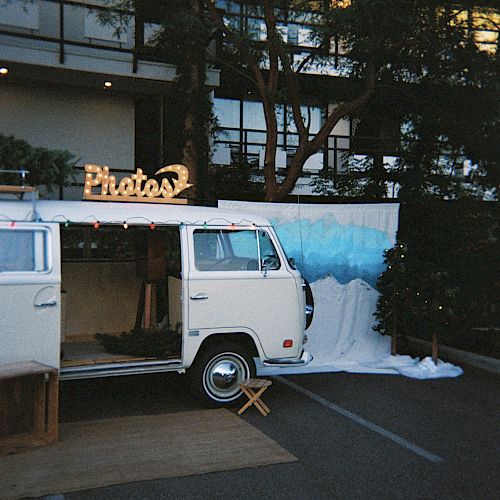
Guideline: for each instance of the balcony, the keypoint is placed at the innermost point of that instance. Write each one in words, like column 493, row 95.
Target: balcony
column 69, row 35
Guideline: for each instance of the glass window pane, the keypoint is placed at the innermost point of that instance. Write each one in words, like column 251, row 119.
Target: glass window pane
column 256, row 137
column 311, row 116
column 268, row 254
column 225, row 250
column 23, row 251
column 228, row 112
column 20, row 13
column 253, row 115
column 343, row 126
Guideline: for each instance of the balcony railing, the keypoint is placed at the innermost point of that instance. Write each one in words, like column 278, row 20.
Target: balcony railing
column 62, row 24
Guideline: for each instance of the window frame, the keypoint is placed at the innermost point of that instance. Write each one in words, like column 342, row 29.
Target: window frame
column 46, row 250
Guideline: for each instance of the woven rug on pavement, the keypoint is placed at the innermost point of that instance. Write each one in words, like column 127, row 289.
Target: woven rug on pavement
column 99, row 453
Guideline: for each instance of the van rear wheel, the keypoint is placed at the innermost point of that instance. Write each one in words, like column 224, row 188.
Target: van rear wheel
column 217, row 372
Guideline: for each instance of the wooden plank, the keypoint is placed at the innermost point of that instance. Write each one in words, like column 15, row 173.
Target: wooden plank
column 21, row 442
column 117, row 358
column 52, row 408
column 40, row 399
column 16, row 189
column 106, row 197
column 14, row 370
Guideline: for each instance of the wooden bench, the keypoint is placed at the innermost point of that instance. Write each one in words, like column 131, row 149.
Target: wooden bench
column 254, row 388
column 29, row 399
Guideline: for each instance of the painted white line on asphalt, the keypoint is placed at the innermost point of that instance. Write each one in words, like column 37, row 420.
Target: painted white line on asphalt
column 365, row 423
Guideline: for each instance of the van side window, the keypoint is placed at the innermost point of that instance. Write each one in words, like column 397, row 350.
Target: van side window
column 268, row 255
column 225, row 250
column 23, row 250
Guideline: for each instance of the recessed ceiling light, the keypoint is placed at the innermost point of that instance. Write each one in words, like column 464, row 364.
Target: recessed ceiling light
column 3, row 71
column 107, row 85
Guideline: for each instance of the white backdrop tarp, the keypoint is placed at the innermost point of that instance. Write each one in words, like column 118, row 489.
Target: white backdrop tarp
column 339, row 249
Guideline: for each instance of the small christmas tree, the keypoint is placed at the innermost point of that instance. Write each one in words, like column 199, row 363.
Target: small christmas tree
column 392, row 302
column 416, row 297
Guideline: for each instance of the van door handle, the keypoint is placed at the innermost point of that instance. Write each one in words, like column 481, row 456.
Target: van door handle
column 199, row 296
column 51, row 303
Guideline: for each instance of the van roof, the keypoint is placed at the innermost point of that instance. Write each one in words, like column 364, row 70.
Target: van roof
column 88, row 212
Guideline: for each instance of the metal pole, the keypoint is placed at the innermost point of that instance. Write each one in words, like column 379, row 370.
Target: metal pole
column 61, row 31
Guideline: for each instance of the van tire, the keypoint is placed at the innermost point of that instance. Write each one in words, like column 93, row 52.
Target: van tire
column 217, row 372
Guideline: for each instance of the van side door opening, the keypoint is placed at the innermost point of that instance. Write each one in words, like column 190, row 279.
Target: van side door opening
column 121, row 293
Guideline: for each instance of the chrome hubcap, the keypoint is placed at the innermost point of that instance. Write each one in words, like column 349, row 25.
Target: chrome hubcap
column 222, row 376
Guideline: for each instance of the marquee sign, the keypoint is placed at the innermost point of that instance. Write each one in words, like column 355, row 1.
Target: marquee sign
column 137, row 187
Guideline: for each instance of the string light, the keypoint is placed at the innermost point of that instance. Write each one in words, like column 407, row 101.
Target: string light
column 125, row 225
column 91, row 219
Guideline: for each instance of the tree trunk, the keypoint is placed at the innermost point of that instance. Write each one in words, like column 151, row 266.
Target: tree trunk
column 189, row 156
column 271, row 187
column 394, row 347
column 435, row 355
column 194, row 126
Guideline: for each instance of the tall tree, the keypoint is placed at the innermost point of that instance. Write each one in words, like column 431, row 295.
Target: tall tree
column 270, row 65
column 182, row 35
column 408, row 52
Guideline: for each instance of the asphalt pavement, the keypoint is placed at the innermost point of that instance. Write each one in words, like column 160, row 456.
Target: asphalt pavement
column 355, row 436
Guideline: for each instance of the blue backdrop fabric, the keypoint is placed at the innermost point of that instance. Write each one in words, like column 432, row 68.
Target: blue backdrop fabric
column 339, row 249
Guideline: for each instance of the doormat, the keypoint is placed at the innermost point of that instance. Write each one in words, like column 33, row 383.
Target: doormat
column 100, row 453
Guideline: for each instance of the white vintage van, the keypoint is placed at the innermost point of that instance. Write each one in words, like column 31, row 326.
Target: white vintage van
column 165, row 287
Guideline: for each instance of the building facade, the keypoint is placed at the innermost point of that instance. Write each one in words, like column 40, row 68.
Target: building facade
column 71, row 82
column 102, row 92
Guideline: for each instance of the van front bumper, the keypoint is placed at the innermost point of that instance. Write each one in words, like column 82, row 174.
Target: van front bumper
column 305, row 359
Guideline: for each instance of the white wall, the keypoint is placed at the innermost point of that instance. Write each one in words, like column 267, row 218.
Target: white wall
column 97, row 128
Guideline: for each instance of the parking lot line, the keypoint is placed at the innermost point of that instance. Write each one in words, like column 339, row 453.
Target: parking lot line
column 361, row 421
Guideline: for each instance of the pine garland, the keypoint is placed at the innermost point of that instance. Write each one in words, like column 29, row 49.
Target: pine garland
column 155, row 343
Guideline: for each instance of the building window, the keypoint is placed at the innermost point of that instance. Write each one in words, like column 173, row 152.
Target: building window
column 242, row 139
column 94, row 29
column 20, row 13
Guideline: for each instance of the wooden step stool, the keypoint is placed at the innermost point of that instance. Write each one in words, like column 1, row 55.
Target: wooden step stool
column 254, row 388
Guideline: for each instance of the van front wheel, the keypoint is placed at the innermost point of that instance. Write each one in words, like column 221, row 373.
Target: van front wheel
column 217, row 372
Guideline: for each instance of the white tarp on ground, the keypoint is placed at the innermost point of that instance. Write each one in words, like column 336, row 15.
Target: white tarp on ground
column 339, row 249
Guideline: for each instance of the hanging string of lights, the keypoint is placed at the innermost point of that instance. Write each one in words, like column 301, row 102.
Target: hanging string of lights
column 137, row 221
